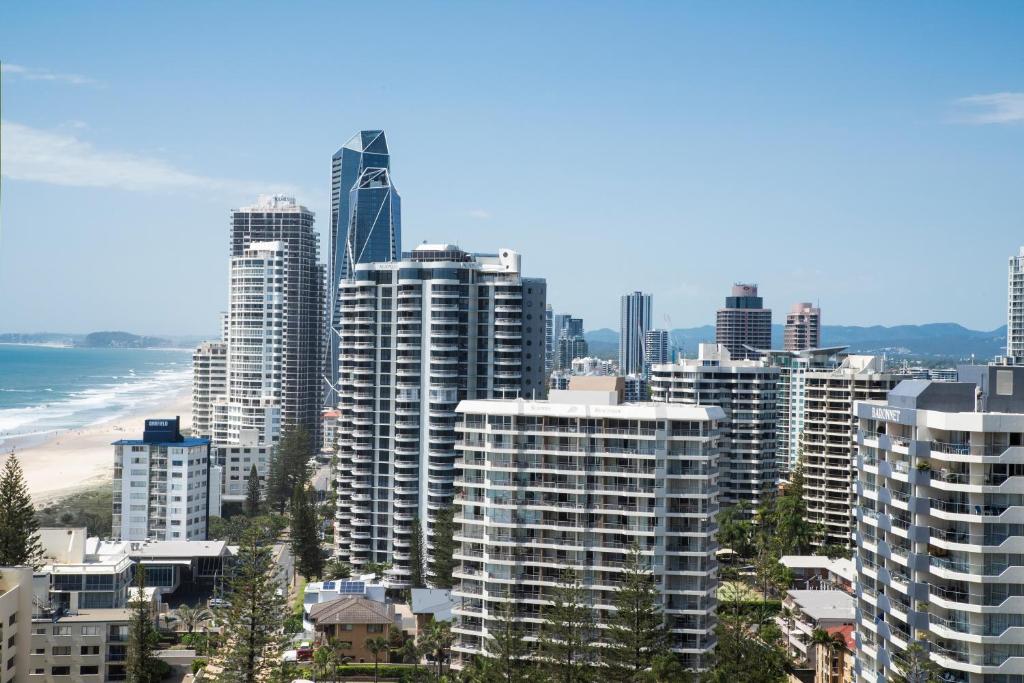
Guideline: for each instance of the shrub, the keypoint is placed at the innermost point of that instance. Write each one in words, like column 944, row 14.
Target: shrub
column 399, row 672
column 198, row 664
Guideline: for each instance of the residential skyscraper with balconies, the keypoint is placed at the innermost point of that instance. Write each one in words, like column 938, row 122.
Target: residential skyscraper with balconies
column 1015, row 309
column 209, row 383
column 573, row 483
column 416, row 337
column 792, row 393
column 829, row 439
column 747, row 391
column 803, row 328
column 939, row 542
column 744, row 323
column 657, row 350
column 634, row 324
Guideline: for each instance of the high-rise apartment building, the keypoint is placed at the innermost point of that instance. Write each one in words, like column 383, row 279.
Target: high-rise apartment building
column 747, row 391
column 568, row 349
column 1015, row 309
column 300, row 315
column 803, row 328
column 940, row 480
column 366, row 225
column 634, row 324
column 209, row 383
column 829, row 439
column 792, row 392
column 744, row 323
column 573, row 483
column 250, row 407
column 418, row 336
column 549, row 339
column 165, row 486
column 657, row 350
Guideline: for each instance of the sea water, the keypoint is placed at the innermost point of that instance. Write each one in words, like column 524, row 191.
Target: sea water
column 45, row 390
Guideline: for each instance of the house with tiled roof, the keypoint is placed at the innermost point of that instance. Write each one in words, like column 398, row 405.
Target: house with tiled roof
column 350, row 622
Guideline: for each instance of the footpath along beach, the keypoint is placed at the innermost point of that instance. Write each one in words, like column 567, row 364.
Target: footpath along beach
column 78, row 459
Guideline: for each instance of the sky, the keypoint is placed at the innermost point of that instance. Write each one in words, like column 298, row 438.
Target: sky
column 865, row 156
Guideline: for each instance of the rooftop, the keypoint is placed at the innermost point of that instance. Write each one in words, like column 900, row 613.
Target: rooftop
column 582, row 408
column 822, row 605
column 352, row 610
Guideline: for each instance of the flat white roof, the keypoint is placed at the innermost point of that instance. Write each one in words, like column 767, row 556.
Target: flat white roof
column 840, row 566
column 638, row 411
column 820, row 605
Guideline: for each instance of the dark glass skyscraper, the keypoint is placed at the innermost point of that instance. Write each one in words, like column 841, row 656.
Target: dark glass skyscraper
column 365, row 223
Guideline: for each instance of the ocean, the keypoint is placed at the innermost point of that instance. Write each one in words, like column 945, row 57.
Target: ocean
column 46, row 389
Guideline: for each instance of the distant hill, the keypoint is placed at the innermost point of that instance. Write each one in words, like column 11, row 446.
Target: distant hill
column 931, row 341
column 121, row 340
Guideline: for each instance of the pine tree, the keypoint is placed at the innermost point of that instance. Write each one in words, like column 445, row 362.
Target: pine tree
column 417, row 578
column 252, row 497
column 19, row 528
column 567, row 634
column 142, row 636
column 288, row 466
column 309, row 558
column 442, row 560
column 505, row 644
column 636, row 632
column 253, row 622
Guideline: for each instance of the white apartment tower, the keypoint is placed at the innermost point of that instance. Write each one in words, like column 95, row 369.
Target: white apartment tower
column 164, row 485
column 829, row 439
column 747, row 391
column 792, row 393
column 657, row 350
column 209, row 383
column 418, row 336
column 1015, row 309
column 634, row 323
column 940, row 528
column 573, row 483
column 251, row 406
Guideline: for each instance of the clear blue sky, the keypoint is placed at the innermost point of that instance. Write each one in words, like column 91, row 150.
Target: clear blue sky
column 869, row 156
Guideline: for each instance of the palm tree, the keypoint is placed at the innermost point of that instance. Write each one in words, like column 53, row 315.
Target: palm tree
column 832, row 643
column 191, row 617
column 376, row 646
column 325, row 661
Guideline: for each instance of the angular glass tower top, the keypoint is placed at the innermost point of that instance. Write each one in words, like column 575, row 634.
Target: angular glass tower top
column 366, row 223
column 365, row 149
column 375, row 218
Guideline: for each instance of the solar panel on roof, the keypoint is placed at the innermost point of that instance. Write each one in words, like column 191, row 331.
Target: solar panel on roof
column 353, row 587
column 328, row 585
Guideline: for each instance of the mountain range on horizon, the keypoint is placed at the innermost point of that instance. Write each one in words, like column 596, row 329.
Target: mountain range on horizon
column 932, row 341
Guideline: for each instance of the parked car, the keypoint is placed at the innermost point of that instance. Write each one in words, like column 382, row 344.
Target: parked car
column 304, row 652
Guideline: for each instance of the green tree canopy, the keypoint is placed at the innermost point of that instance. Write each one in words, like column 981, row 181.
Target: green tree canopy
column 19, row 528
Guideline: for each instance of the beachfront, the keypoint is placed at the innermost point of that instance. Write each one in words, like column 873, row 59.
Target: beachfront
column 82, row 458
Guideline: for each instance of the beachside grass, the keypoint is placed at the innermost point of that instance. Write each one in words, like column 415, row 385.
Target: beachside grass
column 91, row 508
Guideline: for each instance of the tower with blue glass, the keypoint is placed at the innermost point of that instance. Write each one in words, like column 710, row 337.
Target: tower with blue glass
column 366, row 223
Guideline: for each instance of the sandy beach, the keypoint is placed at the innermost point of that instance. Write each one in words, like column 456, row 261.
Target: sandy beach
column 82, row 458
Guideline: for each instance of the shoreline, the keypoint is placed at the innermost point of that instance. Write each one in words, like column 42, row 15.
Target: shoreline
column 72, row 460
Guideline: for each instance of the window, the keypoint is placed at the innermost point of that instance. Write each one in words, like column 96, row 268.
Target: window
column 61, row 651
column 90, row 649
column 62, row 630
column 344, row 627
column 60, row 671
column 90, row 670
column 13, row 619
column 375, row 628
column 39, row 651
column 39, row 630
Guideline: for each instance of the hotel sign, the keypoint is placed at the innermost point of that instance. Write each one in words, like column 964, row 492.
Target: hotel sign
column 887, row 414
